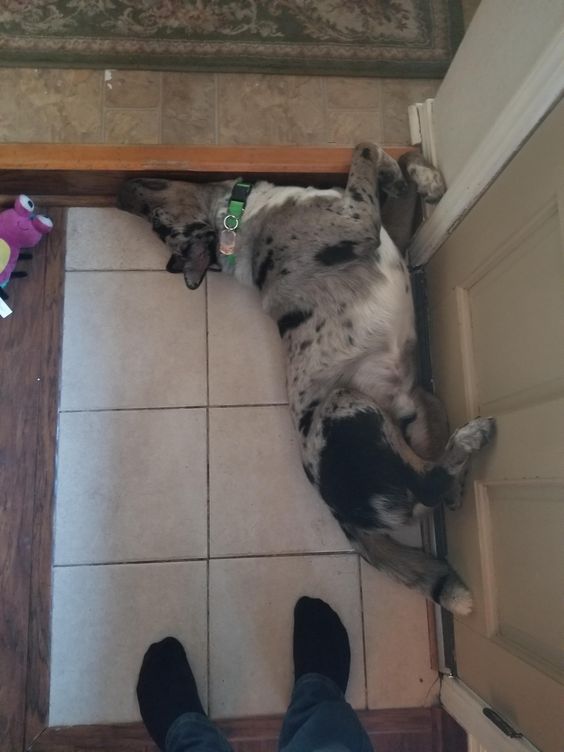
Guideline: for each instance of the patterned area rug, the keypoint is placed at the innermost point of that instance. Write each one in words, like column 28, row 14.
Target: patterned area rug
column 348, row 37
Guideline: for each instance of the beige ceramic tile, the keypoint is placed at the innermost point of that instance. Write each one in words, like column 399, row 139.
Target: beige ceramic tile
column 129, row 126
column 112, row 239
column 188, row 110
column 103, row 620
column 260, row 499
column 247, row 364
column 132, row 339
column 251, row 621
column 255, row 109
column 397, row 644
column 352, row 93
column 50, row 105
column 128, row 88
column 349, row 127
column 131, row 486
column 397, row 95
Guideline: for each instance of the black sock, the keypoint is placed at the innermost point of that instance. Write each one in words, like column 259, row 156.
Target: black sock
column 166, row 688
column 321, row 643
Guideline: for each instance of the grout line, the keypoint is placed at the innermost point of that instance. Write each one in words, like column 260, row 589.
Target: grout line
column 171, row 407
column 102, row 133
column 133, row 562
column 114, row 271
column 160, row 107
column 325, row 110
column 206, row 318
column 354, row 109
column 216, row 108
column 208, row 659
column 226, row 557
column 363, row 633
column 381, row 108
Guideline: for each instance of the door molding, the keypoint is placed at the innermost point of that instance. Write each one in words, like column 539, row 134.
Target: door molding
column 466, row 708
column 538, row 94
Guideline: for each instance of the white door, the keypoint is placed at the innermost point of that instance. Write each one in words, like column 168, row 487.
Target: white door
column 496, row 296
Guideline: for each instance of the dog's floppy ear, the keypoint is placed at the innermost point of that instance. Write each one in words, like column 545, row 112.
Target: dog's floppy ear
column 175, row 264
column 198, row 254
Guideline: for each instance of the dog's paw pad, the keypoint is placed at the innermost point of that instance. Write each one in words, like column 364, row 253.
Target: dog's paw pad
column 475, row 434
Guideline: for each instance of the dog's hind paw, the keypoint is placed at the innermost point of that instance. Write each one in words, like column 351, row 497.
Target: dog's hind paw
column 429, row 181
column 456, row 597
column 475, row 434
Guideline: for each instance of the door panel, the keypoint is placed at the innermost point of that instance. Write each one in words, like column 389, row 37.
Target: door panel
column 496, row 294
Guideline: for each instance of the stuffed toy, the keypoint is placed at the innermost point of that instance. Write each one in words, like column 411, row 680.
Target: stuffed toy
column 19, row 228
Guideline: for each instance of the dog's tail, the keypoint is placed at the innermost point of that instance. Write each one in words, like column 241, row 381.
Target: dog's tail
column 434, row 578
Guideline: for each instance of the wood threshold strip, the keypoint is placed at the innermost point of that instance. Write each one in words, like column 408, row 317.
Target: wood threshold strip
column 95, row 157
column 90, row 174
column 408, row 729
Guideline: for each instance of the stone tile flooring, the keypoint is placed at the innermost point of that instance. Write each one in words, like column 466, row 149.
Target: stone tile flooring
column 182, row 507
column 146, row 107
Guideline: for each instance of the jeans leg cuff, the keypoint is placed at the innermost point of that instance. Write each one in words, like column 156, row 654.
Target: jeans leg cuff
column 192, row 719
column 333, row 690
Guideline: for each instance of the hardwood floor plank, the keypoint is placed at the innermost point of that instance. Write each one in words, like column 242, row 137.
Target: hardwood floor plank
column 39, row 634
column 20, row 388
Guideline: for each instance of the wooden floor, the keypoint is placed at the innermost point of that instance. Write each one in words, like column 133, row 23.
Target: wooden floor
column 30, row 349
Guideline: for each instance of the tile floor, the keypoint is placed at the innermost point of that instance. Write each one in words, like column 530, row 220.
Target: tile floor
column 181, row 502
column 147, row 107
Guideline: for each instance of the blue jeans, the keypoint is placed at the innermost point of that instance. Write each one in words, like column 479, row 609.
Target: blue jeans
column 318, row 720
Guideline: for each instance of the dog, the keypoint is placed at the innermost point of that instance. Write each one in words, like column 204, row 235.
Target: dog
column 373, row 443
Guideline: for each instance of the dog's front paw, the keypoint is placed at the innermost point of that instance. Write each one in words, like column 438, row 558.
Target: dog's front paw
column 475, row 434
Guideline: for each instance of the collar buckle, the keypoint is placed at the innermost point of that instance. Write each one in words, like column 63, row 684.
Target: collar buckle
column 232, row 221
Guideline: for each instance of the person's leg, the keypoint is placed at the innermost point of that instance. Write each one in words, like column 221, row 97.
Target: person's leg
column 169, row 703
column 319, row 719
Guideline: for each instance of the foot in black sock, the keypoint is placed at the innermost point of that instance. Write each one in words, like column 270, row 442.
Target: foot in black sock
column 321, row 643
column 166, row 688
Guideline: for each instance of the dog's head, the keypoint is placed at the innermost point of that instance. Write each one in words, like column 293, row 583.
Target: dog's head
column 180, row 215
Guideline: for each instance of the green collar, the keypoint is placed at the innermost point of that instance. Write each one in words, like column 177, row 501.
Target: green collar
column 235, row 211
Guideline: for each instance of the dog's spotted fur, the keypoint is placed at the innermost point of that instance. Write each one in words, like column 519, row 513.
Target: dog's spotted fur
column 338, row 288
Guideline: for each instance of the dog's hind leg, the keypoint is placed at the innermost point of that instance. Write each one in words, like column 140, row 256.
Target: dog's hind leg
column 372, row 169
column 373, row 481
column 401, row 214
column 433, row 578
column 426, row 430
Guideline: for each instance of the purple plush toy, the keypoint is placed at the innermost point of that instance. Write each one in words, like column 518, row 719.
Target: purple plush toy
column 19, row 228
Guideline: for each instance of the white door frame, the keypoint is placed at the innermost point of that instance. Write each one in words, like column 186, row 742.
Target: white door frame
column 539, row 93
column 467, row 709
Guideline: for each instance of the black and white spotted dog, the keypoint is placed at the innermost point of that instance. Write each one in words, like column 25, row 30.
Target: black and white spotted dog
column 373, row 443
